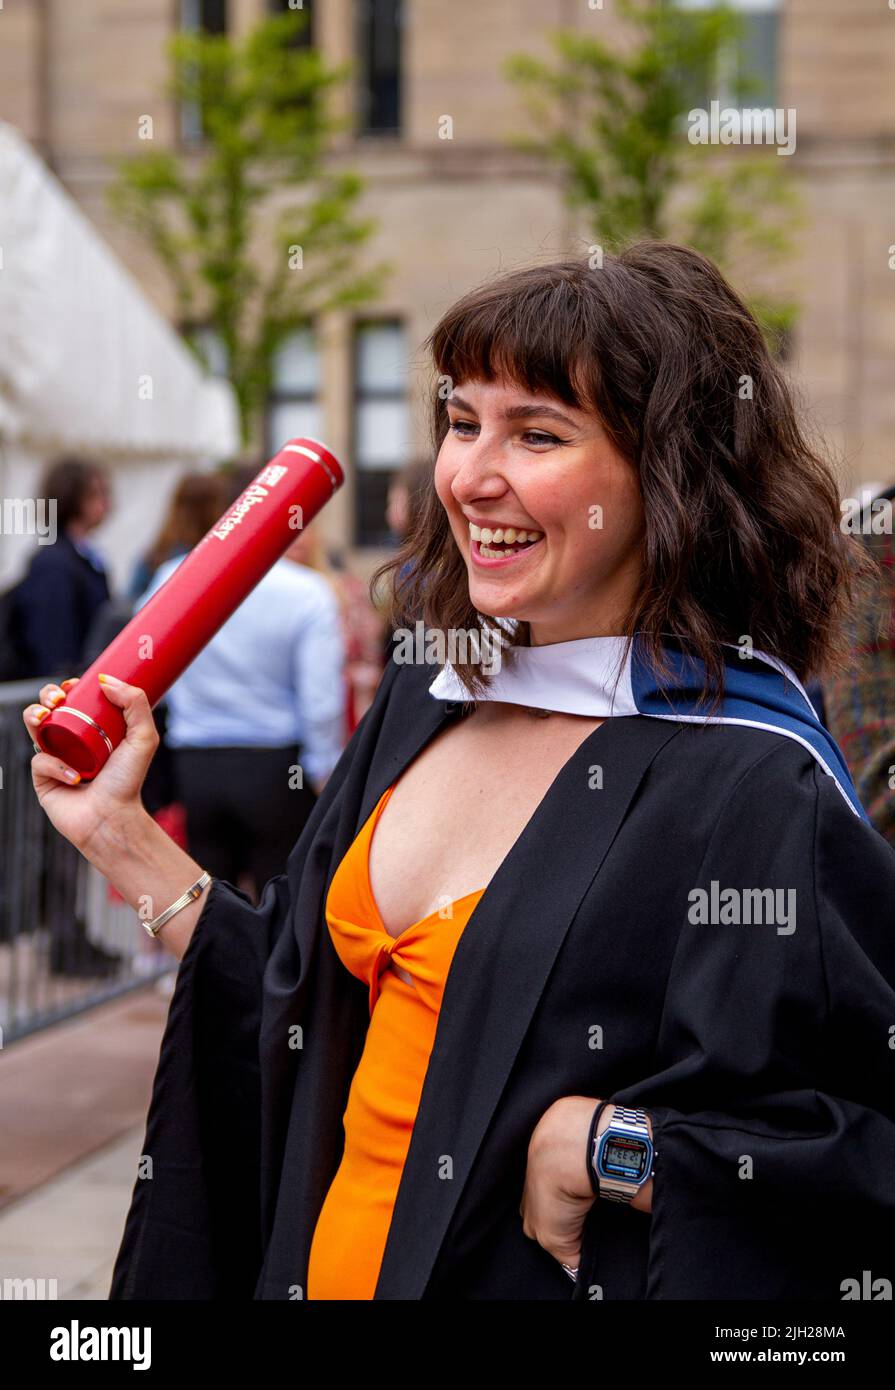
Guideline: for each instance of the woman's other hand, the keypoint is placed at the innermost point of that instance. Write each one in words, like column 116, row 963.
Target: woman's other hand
column 79, row 810
column 557, row 1194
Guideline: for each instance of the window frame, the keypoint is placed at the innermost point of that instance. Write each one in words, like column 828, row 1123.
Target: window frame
column 364, row 42
column 729, row 57
column 399, row 393
column 290, row 395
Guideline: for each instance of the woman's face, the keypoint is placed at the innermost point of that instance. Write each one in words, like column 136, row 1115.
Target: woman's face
column 95, row 501
column 507, row 461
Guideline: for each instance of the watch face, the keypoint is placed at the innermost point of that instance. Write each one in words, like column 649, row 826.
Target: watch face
column 624, row 1157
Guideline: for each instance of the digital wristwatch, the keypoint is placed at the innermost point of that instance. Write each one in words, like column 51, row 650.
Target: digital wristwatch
column 623, row 1155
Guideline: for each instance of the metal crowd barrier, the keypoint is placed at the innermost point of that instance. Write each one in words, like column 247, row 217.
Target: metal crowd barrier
column 67, row 940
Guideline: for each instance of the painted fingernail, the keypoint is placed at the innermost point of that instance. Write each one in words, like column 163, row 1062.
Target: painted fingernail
column 72, row 680
column 70, row 775
column 54, row 699
column 41, row 714
column 108, row 680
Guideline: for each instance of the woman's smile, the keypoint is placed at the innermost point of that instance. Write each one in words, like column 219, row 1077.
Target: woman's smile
column 494, row 546
column 490, row 558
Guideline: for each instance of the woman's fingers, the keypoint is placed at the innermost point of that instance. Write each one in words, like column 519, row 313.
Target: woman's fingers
column 33, row 714
column 134, row 705
column 130, row 699
column 45, row 765
column 50, row 695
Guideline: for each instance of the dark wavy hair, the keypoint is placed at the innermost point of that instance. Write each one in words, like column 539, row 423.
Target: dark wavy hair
column 68, row 479
column 196, row 504
column 742, row 515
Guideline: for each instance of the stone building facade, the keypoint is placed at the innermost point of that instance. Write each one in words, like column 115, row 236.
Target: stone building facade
column 75, row 79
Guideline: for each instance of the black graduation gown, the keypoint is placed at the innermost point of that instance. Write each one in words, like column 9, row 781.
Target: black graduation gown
column 765, row 1055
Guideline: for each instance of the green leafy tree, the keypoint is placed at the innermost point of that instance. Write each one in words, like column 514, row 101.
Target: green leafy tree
column 613, row 121
column 255, row 233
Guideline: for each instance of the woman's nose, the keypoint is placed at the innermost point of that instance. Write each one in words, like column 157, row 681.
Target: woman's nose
column 480, row 467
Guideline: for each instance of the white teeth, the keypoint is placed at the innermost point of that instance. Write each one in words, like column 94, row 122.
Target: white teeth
column 507, row 534
column 494, row 554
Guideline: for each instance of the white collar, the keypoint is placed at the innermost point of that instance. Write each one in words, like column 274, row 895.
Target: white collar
column 574, row 677
column 590, row 676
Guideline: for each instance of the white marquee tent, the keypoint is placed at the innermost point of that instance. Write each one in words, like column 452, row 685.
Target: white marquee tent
column 87, row 364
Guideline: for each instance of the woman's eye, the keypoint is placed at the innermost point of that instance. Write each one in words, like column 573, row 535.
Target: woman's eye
column 459, row 427
column 541, row 437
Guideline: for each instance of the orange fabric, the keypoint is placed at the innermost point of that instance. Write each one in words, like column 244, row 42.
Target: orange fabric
column 350, row 1235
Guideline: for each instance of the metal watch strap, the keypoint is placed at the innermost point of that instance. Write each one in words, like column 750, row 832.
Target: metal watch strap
column 631, row 1121
column 189, row 896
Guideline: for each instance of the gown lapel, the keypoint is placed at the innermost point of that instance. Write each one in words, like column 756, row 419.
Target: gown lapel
column 391, row 757
column 498, row 974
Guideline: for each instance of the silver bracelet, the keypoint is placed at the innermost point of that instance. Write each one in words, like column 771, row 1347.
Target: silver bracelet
column 184, row 900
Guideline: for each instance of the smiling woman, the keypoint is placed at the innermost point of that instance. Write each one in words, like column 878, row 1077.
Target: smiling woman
column 500, row 469
column 474, row 1043
column 605, row 408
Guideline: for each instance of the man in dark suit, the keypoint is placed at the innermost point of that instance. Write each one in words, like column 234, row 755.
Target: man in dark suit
column 66, row 582
column 54, row 607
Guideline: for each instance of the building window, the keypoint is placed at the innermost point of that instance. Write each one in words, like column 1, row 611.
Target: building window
column 752, row 58
column 380, row 423
column 293, row 407
column 207, row 17
column 379, row 65
column 304, row 38
column 210, row 347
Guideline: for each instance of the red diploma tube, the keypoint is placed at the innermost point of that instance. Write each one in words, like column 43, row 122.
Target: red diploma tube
column 170, row 630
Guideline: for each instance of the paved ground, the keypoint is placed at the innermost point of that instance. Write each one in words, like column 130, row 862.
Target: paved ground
column 73, row 1101
column 70, row 1228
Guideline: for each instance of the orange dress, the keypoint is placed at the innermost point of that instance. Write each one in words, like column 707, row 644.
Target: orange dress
column 353, row 1224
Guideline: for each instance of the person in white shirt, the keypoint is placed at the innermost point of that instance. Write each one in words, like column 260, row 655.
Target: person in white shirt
column 257, row 722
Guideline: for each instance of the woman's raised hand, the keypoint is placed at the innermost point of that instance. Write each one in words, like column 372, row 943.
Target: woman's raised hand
column 78, row 809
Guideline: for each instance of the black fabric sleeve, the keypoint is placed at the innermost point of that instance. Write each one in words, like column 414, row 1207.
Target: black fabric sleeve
column 193, row 1229
column 774, row 1109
